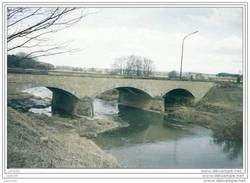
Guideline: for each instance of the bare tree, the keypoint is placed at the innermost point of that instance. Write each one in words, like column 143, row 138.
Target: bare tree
column 133, row 65
column 147, row 67
column 119, row 65
column 129, row 68
column 29, row 29
column 138, row 66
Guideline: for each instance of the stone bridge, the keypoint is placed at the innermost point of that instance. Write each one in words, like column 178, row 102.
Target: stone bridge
column 70, row 91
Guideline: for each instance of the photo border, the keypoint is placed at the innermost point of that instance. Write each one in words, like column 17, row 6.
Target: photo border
column 18, row 173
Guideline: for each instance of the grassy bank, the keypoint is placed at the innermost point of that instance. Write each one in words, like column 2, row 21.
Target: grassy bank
column 221, row 110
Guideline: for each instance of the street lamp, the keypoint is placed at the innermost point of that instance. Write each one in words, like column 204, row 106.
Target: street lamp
column 182, row 50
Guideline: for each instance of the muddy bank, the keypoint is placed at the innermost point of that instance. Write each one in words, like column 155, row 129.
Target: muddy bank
column 39, row 141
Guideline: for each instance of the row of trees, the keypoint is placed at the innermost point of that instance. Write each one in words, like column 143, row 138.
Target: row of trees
column 69, row 68
column 238, row 77
column 224, row 74
column 133, row 66
column 18, row 61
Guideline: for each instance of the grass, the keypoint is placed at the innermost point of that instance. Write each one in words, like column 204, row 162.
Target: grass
column 221, row 110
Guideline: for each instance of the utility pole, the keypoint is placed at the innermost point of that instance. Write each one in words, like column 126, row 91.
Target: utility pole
column 182, row 50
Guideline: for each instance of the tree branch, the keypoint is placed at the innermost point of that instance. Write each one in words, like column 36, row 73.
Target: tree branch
column 23, row 18
column 28, row 27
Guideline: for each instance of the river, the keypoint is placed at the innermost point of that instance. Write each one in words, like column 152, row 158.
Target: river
column 151, row 140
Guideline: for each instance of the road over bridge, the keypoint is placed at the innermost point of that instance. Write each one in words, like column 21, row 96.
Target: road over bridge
column 70, row 91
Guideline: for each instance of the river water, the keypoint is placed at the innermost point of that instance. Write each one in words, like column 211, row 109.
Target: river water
column 150, row 140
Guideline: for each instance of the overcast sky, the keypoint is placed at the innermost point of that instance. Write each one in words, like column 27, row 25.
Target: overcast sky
column 157, row 33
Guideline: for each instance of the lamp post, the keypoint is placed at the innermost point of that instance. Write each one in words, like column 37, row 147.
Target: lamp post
column 182, row 50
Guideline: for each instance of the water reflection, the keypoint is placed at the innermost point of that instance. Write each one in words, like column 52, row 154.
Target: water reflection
column 141, row 129
column 152, row 140
column 233, row 149
column 230, row 138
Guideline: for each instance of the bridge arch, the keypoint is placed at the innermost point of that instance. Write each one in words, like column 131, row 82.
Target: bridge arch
column 137, row 89
column 62, row 101
column 65, row 92
column 134, row 91
column 178, row 96
column 131, row 96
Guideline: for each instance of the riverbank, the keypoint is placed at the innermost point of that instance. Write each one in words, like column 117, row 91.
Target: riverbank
column 40, row 141
column 221, row 110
